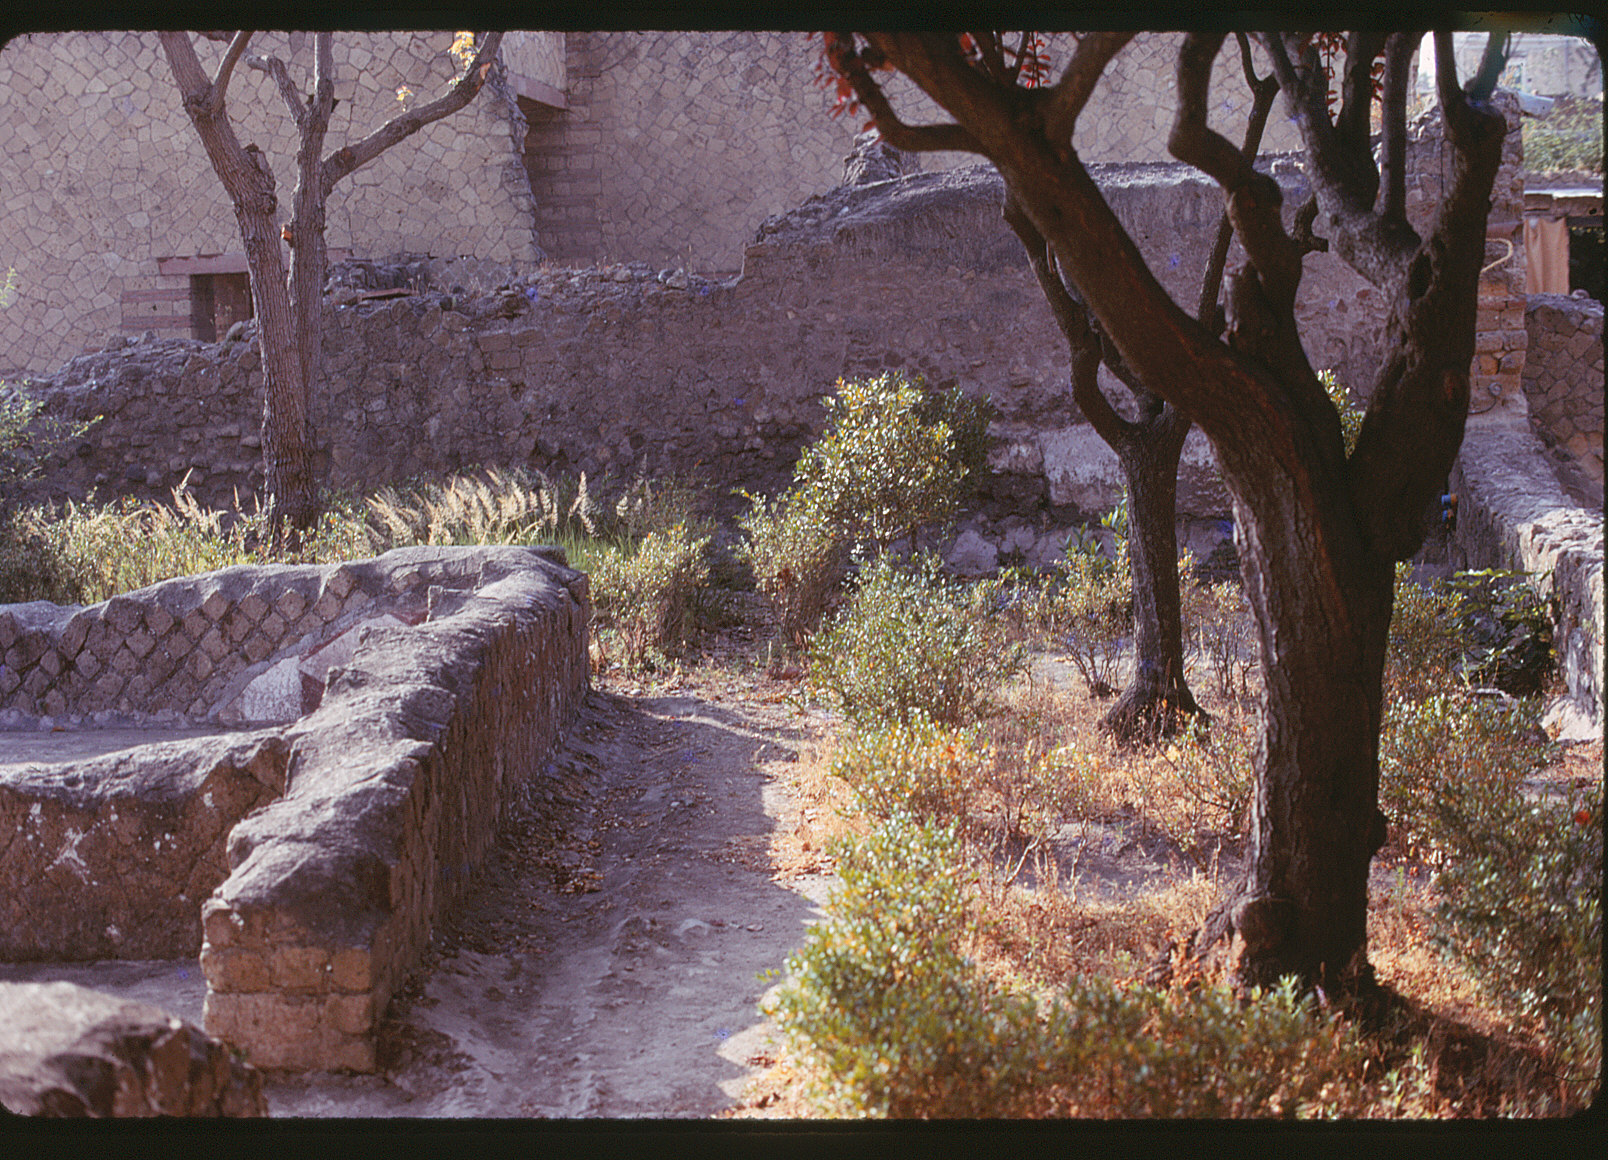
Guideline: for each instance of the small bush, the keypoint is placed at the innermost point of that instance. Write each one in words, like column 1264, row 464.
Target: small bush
column 1217, row 621
column 797, row 557
column 890, row 1018
column 1505, row 630
column 1568, row 137
column 1215, row 772
column 28, row 438
column 909, row 644
column 1086, row 605
column 1424, row 643
column 920, row 769
column 1521, row 905
column 645, row 597
column 893, row 460
column 1449, row 739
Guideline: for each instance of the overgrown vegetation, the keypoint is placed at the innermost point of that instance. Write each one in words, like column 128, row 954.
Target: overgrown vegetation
column 971, row 963
column 1568, row 137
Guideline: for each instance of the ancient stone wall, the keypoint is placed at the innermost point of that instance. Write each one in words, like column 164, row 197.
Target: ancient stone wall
column 347, row 830
column 1563, row 378
column 102, row 176
column 675, row 144
column 622, row 369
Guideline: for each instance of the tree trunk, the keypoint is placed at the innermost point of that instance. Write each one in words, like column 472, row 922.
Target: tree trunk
column 1157, row 698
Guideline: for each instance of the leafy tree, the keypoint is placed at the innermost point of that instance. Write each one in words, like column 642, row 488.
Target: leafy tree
column 289, row 303
column 1318, row 532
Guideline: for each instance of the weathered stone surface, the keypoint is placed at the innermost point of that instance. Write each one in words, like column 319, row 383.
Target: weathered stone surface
column 66, row 1050
column 1513, row 513
column 112, row 857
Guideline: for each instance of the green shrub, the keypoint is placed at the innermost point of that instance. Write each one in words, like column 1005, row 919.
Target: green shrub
column 1424, row 646
column 1451, row 739
column 893, row 460
column 1214, row 769
column 1521, row 904
column 924, row 770
column 1505, row 630
column 645, row 596
column 797, row 557
column 911, row 643
column 1086, row 604
column 1350, row 414
column 890, row 1018
column 881, row 1004
column 28, row 438
column 1568, row 137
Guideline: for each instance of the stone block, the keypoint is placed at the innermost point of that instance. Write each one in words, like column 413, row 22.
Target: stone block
column 241, row 971
column 352, row 970
column 351, row 1014
column 8, row 630
column 299, row 969
column 328, row 606
column 195, row 624
column 141, row 644
column 252, row 607
column 215, row 605
column 290, row 605
column 123, row 614
column 66, row 1050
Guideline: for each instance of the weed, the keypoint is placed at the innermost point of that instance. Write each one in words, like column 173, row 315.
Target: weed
column 645, row 596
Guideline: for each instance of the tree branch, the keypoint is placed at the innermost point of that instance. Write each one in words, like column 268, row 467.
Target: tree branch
column 1342, row 172
column 344, row 161
column 1254, row 199
column 220, row 82
column 1264, row 90
column 910, row 138
column 1393, row 124
column 1064, row 101
column 275, row 68
column 1073, row 319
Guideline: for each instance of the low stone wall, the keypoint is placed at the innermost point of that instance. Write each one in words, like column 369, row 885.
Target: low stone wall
column 448, row 684
column 1513, row 513
column 1563, row 379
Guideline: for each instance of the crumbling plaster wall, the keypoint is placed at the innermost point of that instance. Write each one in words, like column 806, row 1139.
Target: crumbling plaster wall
column 102, row 174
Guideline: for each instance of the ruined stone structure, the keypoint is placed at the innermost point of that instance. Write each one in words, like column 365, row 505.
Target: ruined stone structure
column 1563, row 380
column 402, row 701
column 621, row 369
column 66, row 1050
column 588, row 148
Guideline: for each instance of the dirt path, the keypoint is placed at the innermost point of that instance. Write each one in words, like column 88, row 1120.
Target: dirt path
column 608, row 961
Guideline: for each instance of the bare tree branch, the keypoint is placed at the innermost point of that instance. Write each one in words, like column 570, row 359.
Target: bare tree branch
column 1264, row 91
column 1254, row 199
column 1073, row 319
column 220, row 82
column 344, row 161
column 1356, row 99
column 275, row 68
column 1393, row 124
column 1065, row 100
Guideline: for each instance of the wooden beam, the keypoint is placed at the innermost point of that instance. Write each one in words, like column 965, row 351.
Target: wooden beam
column 221, row 263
